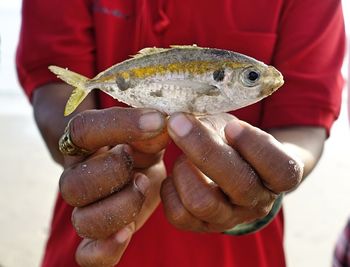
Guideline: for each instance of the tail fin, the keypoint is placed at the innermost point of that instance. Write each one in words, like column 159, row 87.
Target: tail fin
column 77, row 81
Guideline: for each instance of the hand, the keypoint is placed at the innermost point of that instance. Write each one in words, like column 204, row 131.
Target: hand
column 231, row 173
column 116, row 188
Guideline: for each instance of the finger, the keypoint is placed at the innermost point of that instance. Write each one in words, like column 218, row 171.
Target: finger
column 175, row 211
column 97, row 177
column 101, row 219
column 181, row 217
column 279, row 171
column 217, row 160
column 143, row 160
column 105, row 252
column 71, row 160
column 152, row 145
column 93, row 129
column 200, row 196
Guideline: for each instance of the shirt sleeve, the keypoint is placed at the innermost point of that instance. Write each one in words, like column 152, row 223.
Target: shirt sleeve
column 309, row 53
column 55, row 32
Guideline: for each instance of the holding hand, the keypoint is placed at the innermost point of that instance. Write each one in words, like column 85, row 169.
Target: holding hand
column 231, row 173
column 116, row 187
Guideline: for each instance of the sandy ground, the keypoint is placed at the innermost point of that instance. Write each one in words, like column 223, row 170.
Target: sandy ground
column 315, row 213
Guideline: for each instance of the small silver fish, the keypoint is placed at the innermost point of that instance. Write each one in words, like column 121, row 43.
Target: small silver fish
column 179, row 79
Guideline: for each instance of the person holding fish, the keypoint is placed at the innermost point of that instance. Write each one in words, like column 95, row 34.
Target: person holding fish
column 193, row 173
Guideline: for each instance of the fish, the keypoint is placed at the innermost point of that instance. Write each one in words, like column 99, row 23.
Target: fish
column 189, row 78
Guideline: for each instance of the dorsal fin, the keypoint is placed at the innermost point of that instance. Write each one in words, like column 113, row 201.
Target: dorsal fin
column 149, row 51
column 185, row 46
column 154, row 50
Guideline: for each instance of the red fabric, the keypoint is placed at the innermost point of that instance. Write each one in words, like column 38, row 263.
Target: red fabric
column 306, row 44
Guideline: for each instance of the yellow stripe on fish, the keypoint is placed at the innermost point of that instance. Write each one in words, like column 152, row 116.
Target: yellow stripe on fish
column 193, row 68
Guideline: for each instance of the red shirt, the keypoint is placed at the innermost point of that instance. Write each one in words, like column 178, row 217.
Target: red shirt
column 304, row 39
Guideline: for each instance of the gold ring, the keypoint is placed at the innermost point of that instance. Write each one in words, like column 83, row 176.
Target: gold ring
column 67, row 147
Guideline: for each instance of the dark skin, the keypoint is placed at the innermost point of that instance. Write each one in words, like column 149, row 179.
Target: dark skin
column 247, row 168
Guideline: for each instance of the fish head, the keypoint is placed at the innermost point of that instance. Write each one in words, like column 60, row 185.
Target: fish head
column 271, row 80
column 250, row 83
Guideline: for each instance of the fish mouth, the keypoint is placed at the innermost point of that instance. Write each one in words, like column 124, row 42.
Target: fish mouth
column 273, row 79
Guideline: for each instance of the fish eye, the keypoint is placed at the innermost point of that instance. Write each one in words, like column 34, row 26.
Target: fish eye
column 250, row 77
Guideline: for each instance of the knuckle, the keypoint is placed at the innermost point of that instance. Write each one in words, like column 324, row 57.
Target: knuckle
column 291, row 175
column 259, row 151
column 202, row 205
column 120, row 160
column 244, row 194
column 76, row 221
column 175, row 212
column 296, row 170
column 83, row 225
column 264, row 206
column 66, row 190
column 85, row 261
column 262, row 211
column 77, row 127
column 71, row 192
column 98, row 253
column 262, row 149
column 178, row 217
column 91, row 260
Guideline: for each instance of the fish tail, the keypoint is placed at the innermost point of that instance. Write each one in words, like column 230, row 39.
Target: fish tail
column 78, row 82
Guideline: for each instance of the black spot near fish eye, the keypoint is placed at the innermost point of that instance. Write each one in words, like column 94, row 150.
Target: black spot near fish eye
column 253, row 76
column 122, row 83
column 219, row 75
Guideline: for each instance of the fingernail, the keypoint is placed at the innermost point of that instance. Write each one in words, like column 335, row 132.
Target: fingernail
column 233, row 129
column 125, row 233
column 151, row 122
column 141, row 183
column 180, row 125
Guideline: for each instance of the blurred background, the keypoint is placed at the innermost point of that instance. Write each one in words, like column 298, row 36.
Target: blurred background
column 315, row 213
